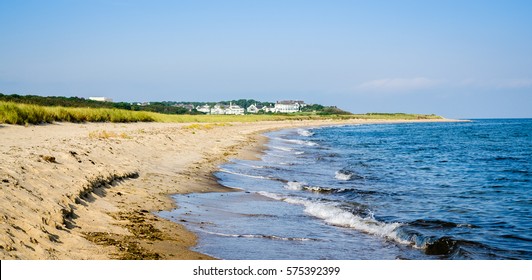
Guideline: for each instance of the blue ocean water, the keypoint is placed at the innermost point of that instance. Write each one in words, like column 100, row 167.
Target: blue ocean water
column 384, row 191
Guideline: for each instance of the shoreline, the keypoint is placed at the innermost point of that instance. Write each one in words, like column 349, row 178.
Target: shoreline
column 89, row 191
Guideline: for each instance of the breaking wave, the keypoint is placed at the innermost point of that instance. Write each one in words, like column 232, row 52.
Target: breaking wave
column 346, row 175
column 343, row 175
column 334, row 215
column 300, row 142
column 294, row 186
column 245, row 175
column 300, row 186
column 304, row 132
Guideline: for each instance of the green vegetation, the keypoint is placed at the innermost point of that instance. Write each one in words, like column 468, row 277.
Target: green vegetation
column 16, row 109
column 55, row 101
column 13, row 113
column 165, row 107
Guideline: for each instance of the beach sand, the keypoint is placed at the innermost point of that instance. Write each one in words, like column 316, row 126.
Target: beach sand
column 89, row 191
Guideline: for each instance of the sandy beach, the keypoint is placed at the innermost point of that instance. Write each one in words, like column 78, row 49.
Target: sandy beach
column 89, row 191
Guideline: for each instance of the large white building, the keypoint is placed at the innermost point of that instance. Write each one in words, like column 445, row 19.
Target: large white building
column 288, row 106
column 234, row 110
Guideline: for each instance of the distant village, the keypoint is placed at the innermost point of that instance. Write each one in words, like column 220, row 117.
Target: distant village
column 283, row 106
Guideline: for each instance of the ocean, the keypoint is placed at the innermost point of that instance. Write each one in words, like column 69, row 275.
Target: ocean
column 460, row 190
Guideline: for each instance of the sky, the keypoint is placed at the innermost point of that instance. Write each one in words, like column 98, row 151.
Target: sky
column 459, row 59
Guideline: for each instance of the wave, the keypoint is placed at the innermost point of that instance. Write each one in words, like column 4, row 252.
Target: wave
column 438, row 224
column 326, row 190
column 284, row 149
column 304, row 132
column 265, row 236
column 450, row 248
column 301, row 186
column 334, row 215
column 445, row 246
column 254, row 176
column 512, row 236
column 245, row 175
column 249, row 165
column 343, row 175
column 294, row 186
column 346, row 175
column 299, row 142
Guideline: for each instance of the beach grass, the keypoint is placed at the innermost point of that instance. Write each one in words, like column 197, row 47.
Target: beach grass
column 25, row 114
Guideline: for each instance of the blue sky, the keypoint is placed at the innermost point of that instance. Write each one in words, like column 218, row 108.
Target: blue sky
column 460, row 59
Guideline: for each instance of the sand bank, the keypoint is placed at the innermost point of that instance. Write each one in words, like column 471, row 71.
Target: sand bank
column 88, row 191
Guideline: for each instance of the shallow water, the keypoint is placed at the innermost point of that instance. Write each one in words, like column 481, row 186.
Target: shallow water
column 414, row 191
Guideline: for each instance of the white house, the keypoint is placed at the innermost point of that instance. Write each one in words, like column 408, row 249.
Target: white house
column 288, row 106
column 101, row 99
column 234, row 110
column 218, row 109
column 254, row 108
column 204, row 109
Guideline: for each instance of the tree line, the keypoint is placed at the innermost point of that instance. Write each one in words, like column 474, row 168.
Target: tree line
column 164, row 107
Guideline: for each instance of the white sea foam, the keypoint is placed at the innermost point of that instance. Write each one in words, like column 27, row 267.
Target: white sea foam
column 294, row 186
column 271, row 195
column 304, row 132
column 343, row 175
column 285, row 149
column 250, row 165
column 334, row 215
column 301, row 142
column 317, row 189
column 244, row 175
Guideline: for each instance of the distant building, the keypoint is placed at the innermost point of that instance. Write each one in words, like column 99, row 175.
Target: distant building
column 254, row 108
column 101, row 99
column 221, row 109
column 234, row 110
column 204, row 109
column 218, row 109
column 268, row 109
column 288, row 106
column 142, row 103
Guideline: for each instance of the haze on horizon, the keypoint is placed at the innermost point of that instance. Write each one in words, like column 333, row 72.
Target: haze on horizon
column 459, row 59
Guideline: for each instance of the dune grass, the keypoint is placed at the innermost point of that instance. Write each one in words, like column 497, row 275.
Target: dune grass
column 24, row 114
